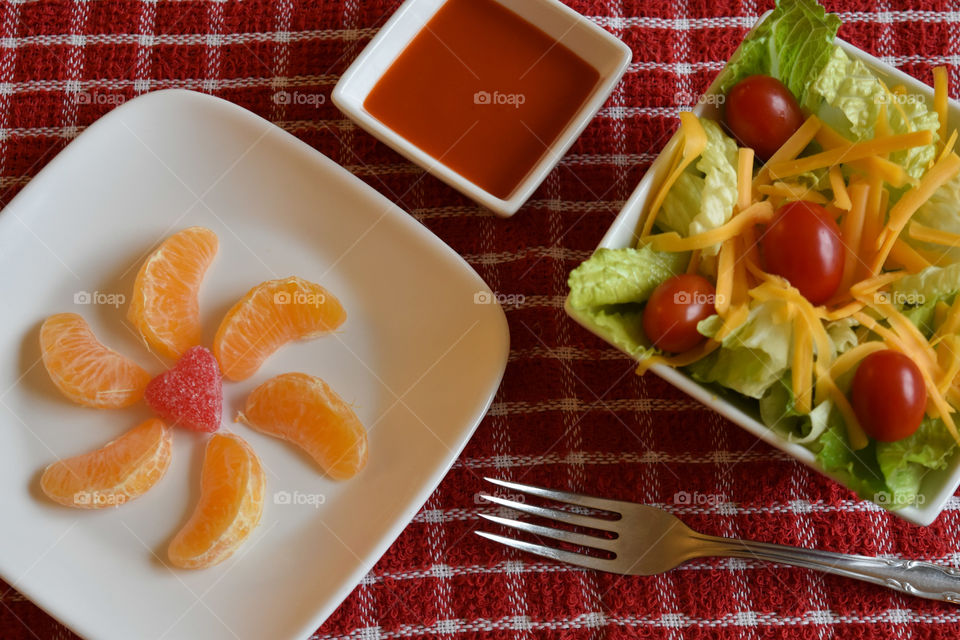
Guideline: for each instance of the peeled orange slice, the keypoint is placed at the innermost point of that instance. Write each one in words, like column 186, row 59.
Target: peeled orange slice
column 272, row 314
column 114, row 474
column 86, row 371
column 306, row 411
column 231, row 503
column 164, row 307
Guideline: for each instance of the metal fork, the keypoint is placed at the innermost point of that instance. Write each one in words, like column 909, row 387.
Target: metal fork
column 648, row 540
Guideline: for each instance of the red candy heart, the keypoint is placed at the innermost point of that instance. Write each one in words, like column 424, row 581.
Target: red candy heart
column 190, row 394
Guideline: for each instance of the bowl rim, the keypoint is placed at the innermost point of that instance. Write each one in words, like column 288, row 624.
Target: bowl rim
column 410, row 12
column 936, row 498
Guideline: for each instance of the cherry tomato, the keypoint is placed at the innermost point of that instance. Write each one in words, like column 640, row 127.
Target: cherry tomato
column 762, row 114
column 674, row 309
column 803, row 245
column 888, row 395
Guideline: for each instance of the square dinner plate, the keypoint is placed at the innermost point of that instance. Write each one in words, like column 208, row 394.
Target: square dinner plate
column 938, row 486
column 420, row 357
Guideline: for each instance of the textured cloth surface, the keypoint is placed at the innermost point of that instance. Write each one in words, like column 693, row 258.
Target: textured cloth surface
column 570, row 413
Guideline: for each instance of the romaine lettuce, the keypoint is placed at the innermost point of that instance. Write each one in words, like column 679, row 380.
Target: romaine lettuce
column 793, row 44
column 704, row 195
column 848, row 96
column 753, row 356
column 622, row 276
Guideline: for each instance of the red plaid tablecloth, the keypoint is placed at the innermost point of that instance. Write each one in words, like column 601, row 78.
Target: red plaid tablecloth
column 570, row 413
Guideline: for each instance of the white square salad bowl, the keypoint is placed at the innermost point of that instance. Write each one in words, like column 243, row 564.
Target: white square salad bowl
column 938, row 486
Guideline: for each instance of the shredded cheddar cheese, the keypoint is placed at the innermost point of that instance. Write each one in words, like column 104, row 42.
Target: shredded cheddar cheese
column 848, row 152
column 923, row 233
column 841, row 199
column 900, row 213
column 941, row 89
column 744, row 178
column 757, row 213
column 792, row 148
column 694, row 142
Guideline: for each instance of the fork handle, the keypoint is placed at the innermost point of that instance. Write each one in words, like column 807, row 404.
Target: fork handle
column 922, row 579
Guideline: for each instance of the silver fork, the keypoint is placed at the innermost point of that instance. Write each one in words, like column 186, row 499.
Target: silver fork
column 649, row 540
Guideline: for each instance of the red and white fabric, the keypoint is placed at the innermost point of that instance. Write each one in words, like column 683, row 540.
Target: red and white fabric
column 570, row 413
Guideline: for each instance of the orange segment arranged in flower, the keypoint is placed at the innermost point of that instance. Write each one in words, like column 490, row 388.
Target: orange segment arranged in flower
column 86, row 371
column 272, row 314
column 114, row 474
column 232, row 485
column 306, row 411
column 164, row 307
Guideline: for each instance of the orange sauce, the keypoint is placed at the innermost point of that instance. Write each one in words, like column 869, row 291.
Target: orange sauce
column 483, row 91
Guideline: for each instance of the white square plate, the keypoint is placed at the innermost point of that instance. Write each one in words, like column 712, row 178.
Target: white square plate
column 417, row 356
column 938, row 486
column 598, row 47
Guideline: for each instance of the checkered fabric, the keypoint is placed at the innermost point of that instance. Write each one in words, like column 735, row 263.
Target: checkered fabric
column 570, row 413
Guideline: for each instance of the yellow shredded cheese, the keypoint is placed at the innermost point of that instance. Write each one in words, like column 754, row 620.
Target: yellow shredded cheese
column 923, row 233
column 849, row 152
column 941, row 90
column 873, row 223
column 736, row 317
column 757, row 213
column 851, row 358
column 725, row 266
column 870, row 285
column 681, row 359
column 907, row 205
column 792, row 191
column 951, row 323
column 744, row 178
column 882, row 126
column 801, row 370
column 851, row 230
column 856, row 436
column 790, row 149
column 841, row 199
column 905, row 256
column 948, row 355
column 948, row 147
column 694, row 142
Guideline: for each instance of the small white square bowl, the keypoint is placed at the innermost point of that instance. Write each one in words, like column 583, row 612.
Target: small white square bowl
column 938, row 486
column 599, row 48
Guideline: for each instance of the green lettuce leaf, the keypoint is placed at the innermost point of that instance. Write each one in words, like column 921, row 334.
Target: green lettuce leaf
column 904, row 463
column 753, row 357
column 622, row 276
column 624, row 329
column 941, row 211
column 848, row 96
column 793, row 44
column 858, row 470
column 777, row 411
column 927, row 287
column 704, row 195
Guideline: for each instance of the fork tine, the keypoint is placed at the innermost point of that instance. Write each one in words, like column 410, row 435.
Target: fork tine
column 554, row 514
column 601, row 564
column 579, row 499
column 556, row 534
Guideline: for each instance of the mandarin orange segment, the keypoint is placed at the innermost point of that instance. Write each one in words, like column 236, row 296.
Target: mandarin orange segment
column 122, row 470
column 232, row 486
column 306, row 411
column 165, row 307
column 272, row 314
column 86, row 371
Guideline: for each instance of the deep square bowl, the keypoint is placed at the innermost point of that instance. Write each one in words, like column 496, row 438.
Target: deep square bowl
column 938, row 486
column 600, row 49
